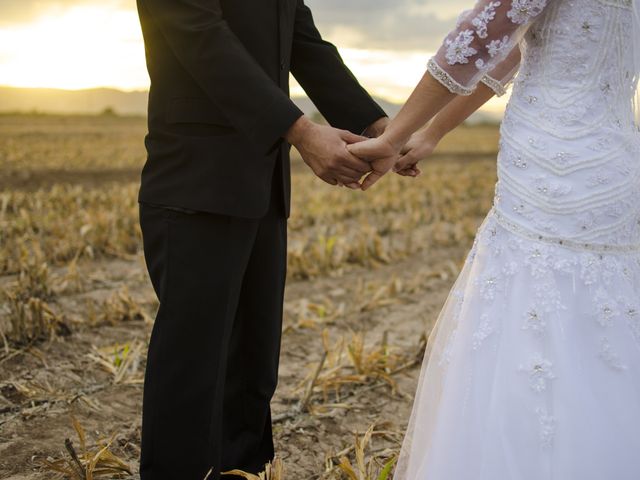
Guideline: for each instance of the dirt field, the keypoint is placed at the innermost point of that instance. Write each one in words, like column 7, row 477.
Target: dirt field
column 367, row 279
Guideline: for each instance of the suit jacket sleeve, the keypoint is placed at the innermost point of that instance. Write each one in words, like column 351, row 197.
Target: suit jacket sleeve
column 321, row 72
column 201, row 39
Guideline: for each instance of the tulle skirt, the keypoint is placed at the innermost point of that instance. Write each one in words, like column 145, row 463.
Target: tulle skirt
column 533, row 367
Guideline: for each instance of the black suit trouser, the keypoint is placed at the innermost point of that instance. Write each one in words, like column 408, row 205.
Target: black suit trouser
column 212, row 364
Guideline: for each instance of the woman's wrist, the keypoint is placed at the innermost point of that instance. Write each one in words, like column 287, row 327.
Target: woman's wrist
column 394, row 139
column 433, row 134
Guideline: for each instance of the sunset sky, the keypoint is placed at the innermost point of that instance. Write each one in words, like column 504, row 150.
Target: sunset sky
column 75, row 44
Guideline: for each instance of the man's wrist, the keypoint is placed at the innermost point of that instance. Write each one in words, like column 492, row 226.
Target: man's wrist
column 377, row 128
column 298, row 130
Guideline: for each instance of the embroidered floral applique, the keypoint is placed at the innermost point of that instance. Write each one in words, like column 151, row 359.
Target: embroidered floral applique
column 522, row 11
column 606, row 308
column 539, row 371
column 547, row 427
column 550, row 188
column 498, row 47
column 609, row 357
column 632, row 312
column 481, row 22
column 459, row 49
column 539, row 260
column 488, row 285
column 484, row 331
column 589, row 268
column 535, row 321
column 447, row 353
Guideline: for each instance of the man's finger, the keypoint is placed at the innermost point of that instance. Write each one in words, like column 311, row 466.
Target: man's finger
column 347, row 179
column 329, row 180
column 347, row 168
column 400, row 166
column 404, row 168
column 405, row 161
column 348, row 159
column 347, row 171
column 371, row 180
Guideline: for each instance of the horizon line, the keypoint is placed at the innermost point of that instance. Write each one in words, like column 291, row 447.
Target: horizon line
column 143, row 90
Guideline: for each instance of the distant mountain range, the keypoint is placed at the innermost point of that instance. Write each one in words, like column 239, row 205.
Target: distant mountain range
column 98, row 100
column 44, row 100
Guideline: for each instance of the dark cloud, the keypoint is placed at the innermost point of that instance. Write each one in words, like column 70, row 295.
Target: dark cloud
column 390, row 24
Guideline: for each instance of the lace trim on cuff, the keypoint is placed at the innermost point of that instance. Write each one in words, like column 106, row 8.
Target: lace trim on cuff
column 445, row 79
column 494, row 85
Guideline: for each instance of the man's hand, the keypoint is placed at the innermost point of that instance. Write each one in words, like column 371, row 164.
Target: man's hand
column 420, row 146
column 324, row 149
column 382, row 155
column 377, row 128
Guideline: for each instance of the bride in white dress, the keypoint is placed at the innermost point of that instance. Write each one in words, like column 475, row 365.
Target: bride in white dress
column 533, row 368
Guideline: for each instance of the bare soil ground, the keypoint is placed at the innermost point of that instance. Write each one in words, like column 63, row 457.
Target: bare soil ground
column 42, row 386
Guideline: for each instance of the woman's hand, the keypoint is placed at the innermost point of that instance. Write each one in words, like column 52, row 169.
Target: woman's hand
column 380, row 153
column 420, row 146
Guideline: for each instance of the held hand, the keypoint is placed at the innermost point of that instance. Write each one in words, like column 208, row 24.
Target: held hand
column 420, row 146
column 374, row 130
column 324, row 150
column 382, row 155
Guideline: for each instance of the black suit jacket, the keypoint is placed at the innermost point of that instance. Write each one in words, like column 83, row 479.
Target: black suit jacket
column 219, row 100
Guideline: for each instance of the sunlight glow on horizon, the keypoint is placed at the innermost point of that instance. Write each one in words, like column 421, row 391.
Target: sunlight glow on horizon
column 101, row 46
column 84, row 47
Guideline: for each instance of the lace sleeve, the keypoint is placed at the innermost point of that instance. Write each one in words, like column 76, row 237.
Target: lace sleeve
column 501, row 76
column 483, row 40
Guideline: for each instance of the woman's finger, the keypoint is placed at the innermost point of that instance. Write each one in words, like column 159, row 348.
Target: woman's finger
column 370, row 180
column 405, row 161
column 371, row 150
column 351, row 138
column 360, row 150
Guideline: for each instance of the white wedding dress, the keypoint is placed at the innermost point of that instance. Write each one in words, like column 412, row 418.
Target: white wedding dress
column 533, row 368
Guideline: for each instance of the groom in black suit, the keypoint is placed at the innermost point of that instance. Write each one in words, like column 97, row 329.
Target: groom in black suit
column 213, row 207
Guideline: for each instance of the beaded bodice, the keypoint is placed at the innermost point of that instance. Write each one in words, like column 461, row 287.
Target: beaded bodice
column 569, row 163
